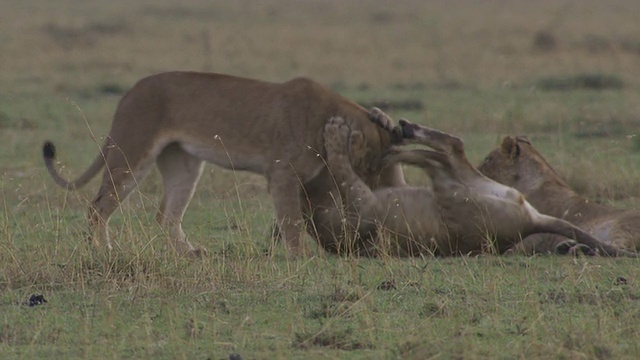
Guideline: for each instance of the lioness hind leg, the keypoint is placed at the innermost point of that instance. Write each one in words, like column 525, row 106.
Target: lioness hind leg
column 117, row 183
column 180, row 172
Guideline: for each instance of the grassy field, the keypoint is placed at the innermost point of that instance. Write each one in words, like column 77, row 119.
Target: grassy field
column 565, row 73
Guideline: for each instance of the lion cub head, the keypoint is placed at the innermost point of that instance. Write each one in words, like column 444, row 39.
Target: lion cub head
column 517, row 163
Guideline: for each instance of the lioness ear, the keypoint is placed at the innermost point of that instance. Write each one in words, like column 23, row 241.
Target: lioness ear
column 510, row 146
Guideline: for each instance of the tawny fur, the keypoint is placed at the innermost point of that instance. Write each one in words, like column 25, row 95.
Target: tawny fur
column 518, row 164
column 178, row 120
column 464, row 213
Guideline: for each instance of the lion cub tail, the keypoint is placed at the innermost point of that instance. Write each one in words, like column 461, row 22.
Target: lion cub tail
column 49, row 154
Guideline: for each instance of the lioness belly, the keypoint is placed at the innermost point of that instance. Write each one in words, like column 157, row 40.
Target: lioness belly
column 219, row 156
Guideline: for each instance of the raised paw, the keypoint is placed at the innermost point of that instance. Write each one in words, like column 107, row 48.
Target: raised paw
column 564, row 247
column 336, row 134
column 381, row 119
column 582, row 249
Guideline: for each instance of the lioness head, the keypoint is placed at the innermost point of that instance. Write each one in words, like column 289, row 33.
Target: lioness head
column 517, row 163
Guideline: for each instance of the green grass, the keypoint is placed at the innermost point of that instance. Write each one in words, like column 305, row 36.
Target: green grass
column 138, row 305
column 474, row 69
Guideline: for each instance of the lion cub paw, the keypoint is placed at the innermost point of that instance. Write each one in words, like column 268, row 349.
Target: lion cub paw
column 384, row 121
column 336, row 133
column 381, row 119
column 571, row 247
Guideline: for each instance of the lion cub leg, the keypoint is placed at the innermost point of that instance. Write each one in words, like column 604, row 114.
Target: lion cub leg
column 180, row 172
column 433, row 138
column 362, row 205
column 392, row 175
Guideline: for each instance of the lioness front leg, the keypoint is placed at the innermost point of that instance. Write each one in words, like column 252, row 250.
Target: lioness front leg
column 285, row 189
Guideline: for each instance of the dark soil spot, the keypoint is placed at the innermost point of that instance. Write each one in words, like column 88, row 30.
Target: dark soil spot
column 621, row 281
column 387, row 285
column 36, row 299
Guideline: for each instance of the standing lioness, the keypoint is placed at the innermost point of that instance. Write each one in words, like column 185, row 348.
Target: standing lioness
column 178, row 120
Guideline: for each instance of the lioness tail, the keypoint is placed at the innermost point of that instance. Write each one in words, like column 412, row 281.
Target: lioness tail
column 49, row 154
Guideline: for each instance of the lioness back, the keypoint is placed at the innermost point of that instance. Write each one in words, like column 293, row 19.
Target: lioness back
column 238, row 123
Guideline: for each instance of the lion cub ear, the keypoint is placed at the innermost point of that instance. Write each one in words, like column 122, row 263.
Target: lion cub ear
column 510, row 146
column 524, row 139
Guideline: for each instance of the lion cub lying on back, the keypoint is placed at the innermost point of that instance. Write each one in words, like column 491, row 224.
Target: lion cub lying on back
column 464, row 213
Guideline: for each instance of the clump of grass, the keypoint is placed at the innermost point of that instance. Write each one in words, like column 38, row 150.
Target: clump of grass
column 341, row 337
column 339, row 303
column 435, row 308
column 577, row 296
column 593, row 81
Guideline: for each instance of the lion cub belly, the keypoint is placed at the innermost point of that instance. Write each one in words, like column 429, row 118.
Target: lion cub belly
column 412, row 213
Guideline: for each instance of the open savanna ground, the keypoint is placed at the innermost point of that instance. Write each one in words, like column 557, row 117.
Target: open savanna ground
column 565, row 73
